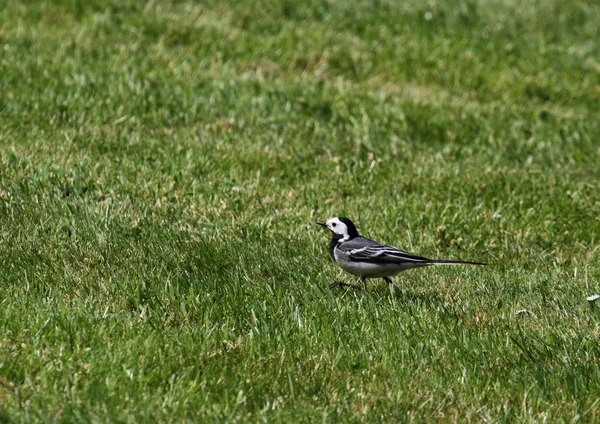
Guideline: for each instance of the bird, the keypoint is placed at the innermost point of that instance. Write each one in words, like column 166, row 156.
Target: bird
column 366, row 258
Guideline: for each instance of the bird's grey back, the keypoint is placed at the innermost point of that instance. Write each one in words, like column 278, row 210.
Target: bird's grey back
column 371, row 249
column 360, row 242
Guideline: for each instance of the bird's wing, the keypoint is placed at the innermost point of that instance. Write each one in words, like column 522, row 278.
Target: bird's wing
column 370, row 251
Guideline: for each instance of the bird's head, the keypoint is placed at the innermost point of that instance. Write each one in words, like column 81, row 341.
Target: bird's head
column 342, row 228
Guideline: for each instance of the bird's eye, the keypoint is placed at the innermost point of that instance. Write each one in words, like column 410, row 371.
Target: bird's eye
column 333, row 224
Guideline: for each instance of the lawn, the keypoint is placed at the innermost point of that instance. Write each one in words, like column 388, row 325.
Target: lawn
column 162, row 165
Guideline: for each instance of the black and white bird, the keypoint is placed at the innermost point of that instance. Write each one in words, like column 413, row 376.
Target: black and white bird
column 367, row 258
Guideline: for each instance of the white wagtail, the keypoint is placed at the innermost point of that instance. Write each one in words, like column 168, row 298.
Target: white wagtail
column 368, row 259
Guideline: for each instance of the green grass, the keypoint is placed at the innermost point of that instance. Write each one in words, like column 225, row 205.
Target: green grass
column 162, row 165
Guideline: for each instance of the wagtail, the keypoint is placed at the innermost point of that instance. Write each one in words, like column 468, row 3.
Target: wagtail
column 367, row 258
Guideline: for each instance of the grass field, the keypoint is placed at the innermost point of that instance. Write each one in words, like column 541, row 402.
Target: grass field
column 162, row 165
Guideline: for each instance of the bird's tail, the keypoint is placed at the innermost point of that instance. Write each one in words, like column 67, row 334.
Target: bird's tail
column 446, row 262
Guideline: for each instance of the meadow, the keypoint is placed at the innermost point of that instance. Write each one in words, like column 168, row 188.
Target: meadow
column 162, row 165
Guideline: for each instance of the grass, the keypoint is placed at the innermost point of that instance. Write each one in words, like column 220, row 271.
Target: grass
column 162, row 165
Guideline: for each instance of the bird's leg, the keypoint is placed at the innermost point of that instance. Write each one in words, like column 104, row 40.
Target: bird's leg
column 363, row 281
column 342, row 284
column 389, row 281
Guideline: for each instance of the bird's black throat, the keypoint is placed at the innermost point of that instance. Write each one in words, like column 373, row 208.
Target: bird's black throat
column 335, row 240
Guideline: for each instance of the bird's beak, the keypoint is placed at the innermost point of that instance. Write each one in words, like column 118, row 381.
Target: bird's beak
column 321, row 224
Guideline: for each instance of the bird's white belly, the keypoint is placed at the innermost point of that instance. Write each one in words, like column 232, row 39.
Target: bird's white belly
column 371, row 270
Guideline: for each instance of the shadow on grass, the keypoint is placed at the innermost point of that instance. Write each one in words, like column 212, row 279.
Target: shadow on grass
column 430, row 299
